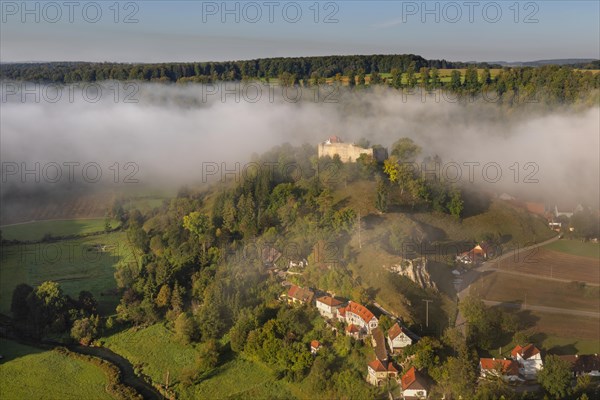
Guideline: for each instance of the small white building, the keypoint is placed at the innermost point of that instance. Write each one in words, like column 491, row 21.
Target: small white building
column 414, row 385
column 378, row 373
column 529, row 359
column 315, row 346
column 328, row 306
column 398, row 338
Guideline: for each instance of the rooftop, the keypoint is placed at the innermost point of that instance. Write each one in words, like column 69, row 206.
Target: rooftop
column 359, row 310
column 508, row 367
column 298, row 293
column 526, row 352
column 583, row 363
column 413, row 379
column 396, row 330
column 330, row 301
column 377, row 366
column 380, row 351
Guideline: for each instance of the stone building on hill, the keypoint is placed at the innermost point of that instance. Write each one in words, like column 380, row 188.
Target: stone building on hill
column 348, row 152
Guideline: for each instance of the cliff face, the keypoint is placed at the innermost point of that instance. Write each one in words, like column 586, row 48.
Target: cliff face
column 416, row 271
column 348, row 152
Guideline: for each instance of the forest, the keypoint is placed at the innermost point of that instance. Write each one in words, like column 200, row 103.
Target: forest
column 558, row 83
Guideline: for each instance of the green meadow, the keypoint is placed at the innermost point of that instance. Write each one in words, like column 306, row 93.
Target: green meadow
column 575, row 247
column 30, row 373
column 33, row 231
column 80, row 264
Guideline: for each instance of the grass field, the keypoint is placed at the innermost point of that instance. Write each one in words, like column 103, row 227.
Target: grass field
column 517, row 227
column 577, row 248
column 239, row 379
column 155, row 349
column 520, row 289
column 553, row 264
column 36, row 230
column 57, row 205
column 563, row 334
column 566, row 334
column 557, row 333
column 30, row 373
column 444, row 74
column 76, row 264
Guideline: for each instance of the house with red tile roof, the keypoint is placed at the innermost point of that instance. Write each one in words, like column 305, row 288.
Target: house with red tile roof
column 398, row 338
column 358, row 315
column 299, row 295
column 328, row 306
column 414, row 385
column 492, row 367
column 477, row 254
column 529, row 358
column 354, row 332
column 315, row 346
column 536, row 208
column 378, row 372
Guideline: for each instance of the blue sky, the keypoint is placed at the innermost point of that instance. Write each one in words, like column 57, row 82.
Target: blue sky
column 160, row 31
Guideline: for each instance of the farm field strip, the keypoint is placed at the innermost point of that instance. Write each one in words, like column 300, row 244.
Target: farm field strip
column 534, row 292
column 553, row 264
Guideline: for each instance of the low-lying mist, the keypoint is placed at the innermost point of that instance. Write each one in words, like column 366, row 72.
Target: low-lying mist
column 156, row 135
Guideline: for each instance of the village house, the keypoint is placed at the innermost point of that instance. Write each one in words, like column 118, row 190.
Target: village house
column 378, row 343
column 536, row 208
column 358, row 315
column 507, row 369
column 354, row 332
column 298, row 295
column 378, row 373
column 414, row 385
column 584, row 364
column 298, row 264
column 398, row 338
column 568, row 212
column 555, row 226
column 315, row 346
column 269, row 256
column 529, row 359
column 477, row 254
column 328, row 306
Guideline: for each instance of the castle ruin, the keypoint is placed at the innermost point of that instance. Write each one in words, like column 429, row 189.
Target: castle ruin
column 348, row 152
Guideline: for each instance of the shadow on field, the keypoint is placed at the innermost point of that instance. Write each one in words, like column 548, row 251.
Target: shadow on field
column 11, row 350
column 564, row 349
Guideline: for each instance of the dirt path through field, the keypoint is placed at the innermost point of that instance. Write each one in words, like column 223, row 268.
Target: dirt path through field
column 473, row 275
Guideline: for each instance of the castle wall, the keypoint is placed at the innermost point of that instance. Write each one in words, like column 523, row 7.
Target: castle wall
column 347, row 151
